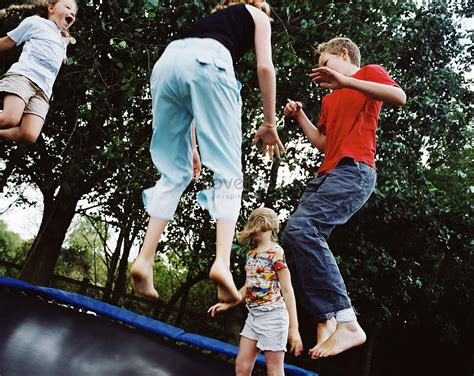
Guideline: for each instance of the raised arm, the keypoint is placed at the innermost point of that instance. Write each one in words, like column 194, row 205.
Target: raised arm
column 330, row 79
column 294, row 109
column 296, row 345
column 382, row 92
column 6, row 43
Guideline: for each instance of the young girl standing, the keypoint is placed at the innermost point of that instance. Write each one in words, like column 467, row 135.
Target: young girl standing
column 269, row 297
column 194, row 78
column 27, row 86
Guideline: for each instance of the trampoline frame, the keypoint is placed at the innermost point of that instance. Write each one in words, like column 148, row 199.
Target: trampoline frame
column 139, row 321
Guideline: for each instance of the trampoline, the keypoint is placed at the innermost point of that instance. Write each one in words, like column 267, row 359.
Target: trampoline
column 45, row 331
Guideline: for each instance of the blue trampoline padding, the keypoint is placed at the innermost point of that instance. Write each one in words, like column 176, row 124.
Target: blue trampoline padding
column 140, row 321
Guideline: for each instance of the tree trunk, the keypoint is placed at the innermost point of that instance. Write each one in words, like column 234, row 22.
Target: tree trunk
column 44, row 252
column 182, row 307
column 181, row 291
column 113, row 265
column 269, row 197
column 121, row 281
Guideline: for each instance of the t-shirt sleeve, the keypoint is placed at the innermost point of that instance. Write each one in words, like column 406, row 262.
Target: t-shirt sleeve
column 279, row 261
column 377, row 73
column 23, row 31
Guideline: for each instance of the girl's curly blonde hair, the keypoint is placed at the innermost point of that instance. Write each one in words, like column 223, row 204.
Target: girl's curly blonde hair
column 39, row 7
column 260, row 220
column 262, row 5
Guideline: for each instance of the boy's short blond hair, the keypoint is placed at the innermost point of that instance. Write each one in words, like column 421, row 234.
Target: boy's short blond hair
column 335, row 46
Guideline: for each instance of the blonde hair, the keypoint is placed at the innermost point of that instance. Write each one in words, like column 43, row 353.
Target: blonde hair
column 334, row 47
column 262, row 5
column 39, row 7
column 260, row 220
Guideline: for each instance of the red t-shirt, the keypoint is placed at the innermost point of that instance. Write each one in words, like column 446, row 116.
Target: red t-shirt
column 349, row 121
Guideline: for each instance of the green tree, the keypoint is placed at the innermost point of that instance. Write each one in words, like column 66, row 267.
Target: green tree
column 10, row 245
column 406, row 257
column 85, row 255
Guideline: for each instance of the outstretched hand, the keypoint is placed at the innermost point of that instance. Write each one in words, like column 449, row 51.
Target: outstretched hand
column 296, row 344
column 328, row 78
column 220, row 307
column 271, row 141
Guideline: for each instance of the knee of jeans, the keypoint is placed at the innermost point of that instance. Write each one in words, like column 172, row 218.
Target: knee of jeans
column 292, row 230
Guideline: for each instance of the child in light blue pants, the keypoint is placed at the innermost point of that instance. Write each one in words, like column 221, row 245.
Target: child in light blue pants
column 194, row 79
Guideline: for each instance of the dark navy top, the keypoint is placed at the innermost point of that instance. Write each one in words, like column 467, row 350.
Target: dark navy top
column 232, row 26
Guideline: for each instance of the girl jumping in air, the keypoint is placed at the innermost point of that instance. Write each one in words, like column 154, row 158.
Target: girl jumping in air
column 269, row 297
column 27, row 86
column 194, row 78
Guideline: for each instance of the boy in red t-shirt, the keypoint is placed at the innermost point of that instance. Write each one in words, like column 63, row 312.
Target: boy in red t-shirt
column 346, row 178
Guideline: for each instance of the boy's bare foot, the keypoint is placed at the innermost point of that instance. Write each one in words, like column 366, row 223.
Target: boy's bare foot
column 142, row 278
column 346, row 336
column 226, row 290
column 323, row 332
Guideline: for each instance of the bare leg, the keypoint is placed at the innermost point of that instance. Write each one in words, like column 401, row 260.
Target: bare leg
column 323, row 332
column 246, row 357
column 220, row 270
column 27, row 132
column 13, row 107
column 275, row 363
column 142, row 269
column 346, row 336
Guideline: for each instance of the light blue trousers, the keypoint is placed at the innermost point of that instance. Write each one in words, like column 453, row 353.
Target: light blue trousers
column 194, row 78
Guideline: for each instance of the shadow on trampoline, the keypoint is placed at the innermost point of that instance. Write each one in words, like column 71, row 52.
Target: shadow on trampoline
column 49, row 332
column 40, row 338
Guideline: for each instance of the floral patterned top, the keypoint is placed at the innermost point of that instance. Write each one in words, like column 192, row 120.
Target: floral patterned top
column 263, row 285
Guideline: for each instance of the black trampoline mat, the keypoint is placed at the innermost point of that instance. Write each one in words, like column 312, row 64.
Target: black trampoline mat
column 47, row 339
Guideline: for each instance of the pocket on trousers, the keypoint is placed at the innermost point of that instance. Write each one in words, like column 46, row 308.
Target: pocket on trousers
column 212, row 64
column 217, row 70
column 204, row 60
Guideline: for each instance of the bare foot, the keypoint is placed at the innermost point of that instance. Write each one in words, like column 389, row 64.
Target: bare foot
column 142, row 278
column 346, row 336
column 323, row 332
column 226, row 290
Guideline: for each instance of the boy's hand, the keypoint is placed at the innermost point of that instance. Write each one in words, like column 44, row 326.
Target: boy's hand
column 296, row 344
column 293, row 108
column 328, row 78
column 271, row 141
column 197, row 166
column 219, row 307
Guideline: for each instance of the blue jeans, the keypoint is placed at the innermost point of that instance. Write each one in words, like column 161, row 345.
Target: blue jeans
column 328, row 200
column 194, row 79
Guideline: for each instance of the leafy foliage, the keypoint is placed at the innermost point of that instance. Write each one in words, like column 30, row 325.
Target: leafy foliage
column 406, row 256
